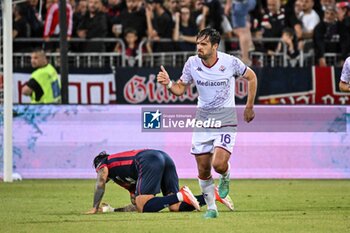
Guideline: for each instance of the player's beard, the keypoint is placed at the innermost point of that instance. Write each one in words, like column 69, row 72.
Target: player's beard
column 204, row 56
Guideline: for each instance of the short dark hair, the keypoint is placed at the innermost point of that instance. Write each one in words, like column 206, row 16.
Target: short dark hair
column 99, row 159
column 155, row 1
column 130, row 30
column 288, row 31
column 214, row 35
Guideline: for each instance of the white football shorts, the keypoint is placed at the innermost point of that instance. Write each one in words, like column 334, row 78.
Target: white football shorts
column 205, row 142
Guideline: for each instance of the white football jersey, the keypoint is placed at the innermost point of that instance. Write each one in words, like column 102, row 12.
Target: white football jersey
column 345, row 73
column 216, row 84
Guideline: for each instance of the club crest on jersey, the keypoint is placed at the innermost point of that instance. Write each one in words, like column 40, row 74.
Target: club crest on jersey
column 222, row 68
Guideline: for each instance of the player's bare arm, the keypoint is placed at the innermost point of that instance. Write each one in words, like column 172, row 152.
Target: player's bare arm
column 128, row 208
column 252, row 87
column 177, row 88
column 343, row 86
column 102, row 177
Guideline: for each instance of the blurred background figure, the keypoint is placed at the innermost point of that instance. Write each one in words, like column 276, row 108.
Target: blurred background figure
column 173, row 6
column 52, row 27
column 343, row 17
column 159, row 25
column 289, row 39
column 93, row 25
column 21, row 29
column 131, row 46
column 44, row 86
column 309, row 18
column 133, row 16
column 326, row 36
column 273, row 23
column 240, row 22
column 185, row 30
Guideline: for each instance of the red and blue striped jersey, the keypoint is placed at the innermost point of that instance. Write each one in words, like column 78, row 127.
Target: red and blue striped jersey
column 122, row 168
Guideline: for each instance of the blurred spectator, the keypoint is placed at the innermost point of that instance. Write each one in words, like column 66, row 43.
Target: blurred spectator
column 159, row 25
column 292, row 9
column 44, row 85
column 273, row 22
column 343, row 15
column 33, row 18
column 80, row 11
column 114, row 8
column 256, row 16
column 93, row 25
column 133, row 16
column 173, row 7
column 309, row 18
column 52, row 27
column 78, row 15
column 290, row 41
column 186, row 3
column 213, row 15
column 185, row 30
column 326, row 36
column 323, row 5
column 21, row 29
column 327, row 3
column 131, row 46
column 241, row 26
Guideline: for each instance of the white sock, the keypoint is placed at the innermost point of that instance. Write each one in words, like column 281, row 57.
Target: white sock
column 227, row 173
column 179, row 196
column 208, row 190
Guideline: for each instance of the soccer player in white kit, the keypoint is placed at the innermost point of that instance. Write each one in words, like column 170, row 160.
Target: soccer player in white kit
column 214, row 74
column 344, row 84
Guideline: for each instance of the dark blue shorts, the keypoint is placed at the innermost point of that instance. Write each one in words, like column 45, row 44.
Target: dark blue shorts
column 156, row 172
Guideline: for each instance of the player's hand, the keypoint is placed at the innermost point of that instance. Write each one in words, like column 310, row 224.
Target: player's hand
column 249, row 114
column 133, row 198
column 92, row 211
column 163, row 76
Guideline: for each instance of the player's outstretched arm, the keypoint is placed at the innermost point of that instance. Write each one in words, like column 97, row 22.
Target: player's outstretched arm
column 128, row 208
column 252, row 87
column 176, row 88
column 101, row 180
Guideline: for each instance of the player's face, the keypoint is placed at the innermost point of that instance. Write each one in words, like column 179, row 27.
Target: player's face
column 205, row 49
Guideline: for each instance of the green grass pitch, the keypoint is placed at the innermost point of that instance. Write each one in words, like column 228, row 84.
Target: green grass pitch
column 310, row 206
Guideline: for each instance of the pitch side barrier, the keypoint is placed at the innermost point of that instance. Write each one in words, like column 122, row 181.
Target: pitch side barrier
column 288, row 86
column 60, row 141
column 75, row 59
column 172, row 57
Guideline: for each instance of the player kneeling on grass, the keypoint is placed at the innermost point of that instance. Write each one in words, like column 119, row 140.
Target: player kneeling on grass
column 144, row 173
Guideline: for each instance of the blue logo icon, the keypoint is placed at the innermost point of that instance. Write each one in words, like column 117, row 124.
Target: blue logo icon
column 151, row 120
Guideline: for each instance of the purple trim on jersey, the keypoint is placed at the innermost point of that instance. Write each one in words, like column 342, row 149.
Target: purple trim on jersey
column 217, row 59
column 245, row 70
column 199, row 154
column 220, row 127
column 223, row 149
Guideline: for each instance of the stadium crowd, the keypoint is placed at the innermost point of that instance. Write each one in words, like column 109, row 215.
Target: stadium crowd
column 324, row 24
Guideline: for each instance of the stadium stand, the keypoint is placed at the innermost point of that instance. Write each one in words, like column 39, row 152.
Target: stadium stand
column 125, row 15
